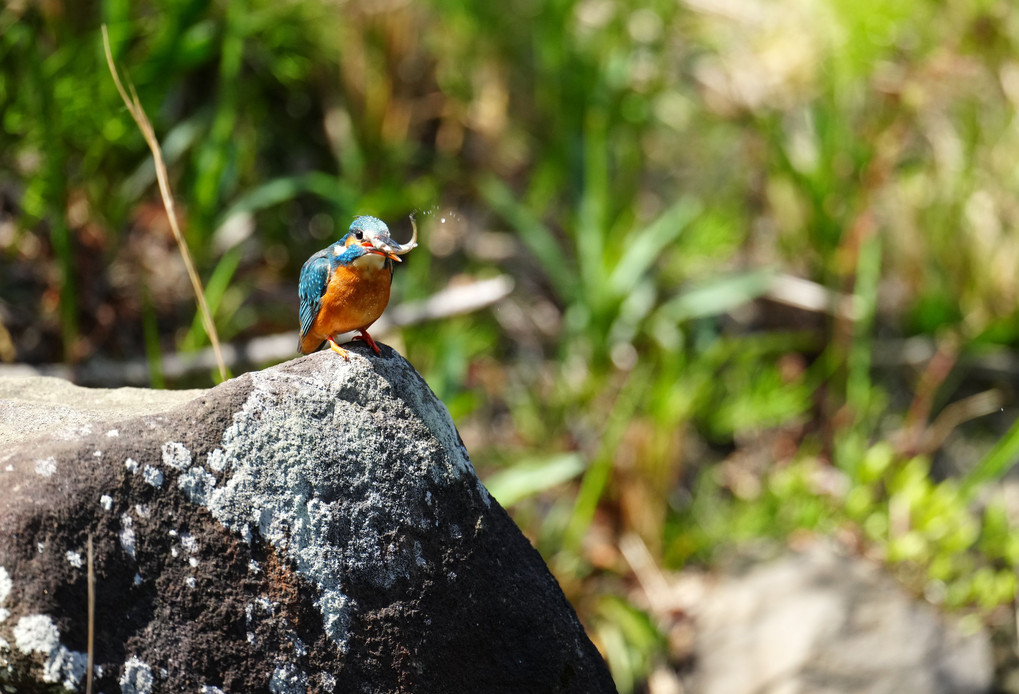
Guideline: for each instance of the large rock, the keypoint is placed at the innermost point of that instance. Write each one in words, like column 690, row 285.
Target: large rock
column 821, row 623
column 316, row 527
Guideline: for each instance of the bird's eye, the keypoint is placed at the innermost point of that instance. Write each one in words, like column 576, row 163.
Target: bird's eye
column 359, row 234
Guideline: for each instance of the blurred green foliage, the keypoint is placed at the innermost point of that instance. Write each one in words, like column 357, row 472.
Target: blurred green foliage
column 928, row 531
column 652, row 175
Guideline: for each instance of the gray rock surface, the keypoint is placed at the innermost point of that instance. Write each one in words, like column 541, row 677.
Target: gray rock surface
column 314, row 527
column 31, row 406
column 821, row 623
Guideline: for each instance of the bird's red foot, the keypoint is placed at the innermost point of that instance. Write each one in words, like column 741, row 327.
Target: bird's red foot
column 336, row 348
column 368, row 338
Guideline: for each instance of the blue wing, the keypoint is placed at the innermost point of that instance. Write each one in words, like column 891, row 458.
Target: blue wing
column 314, row 278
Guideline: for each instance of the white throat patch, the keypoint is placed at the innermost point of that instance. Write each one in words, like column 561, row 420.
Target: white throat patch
column 370, row 261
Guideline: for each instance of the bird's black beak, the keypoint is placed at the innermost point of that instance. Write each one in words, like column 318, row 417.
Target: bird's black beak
column 381, row 249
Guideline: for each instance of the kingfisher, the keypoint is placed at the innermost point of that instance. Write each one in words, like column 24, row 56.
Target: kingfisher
column 345, row 286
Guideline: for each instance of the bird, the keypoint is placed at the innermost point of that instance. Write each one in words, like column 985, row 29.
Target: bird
column 345, row 286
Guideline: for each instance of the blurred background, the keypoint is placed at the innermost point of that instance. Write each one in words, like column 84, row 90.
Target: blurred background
column 763, row 258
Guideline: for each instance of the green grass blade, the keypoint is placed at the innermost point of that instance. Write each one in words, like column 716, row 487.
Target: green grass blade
column 646, row 245
column 536, row 236
column 868, row 274
column 215, row 288
column 995, row 464
column 61, row 239
column 177, row 142
column 592, row 218
column 526, row 479
column 716, row 297
column 217, row 151
column 280, row 190
column 596, row 479
column 150, row 329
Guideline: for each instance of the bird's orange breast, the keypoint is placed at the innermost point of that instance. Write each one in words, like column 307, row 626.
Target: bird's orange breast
column 354, row 299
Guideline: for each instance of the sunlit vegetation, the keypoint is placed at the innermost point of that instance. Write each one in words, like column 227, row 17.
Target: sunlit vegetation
column 765, row 253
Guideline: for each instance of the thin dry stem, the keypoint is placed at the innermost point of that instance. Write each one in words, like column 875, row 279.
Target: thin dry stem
column 134, row 107
column 91, row 617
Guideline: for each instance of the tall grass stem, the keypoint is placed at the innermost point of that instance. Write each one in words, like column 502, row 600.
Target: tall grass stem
column 134, row 107
column 91, row 617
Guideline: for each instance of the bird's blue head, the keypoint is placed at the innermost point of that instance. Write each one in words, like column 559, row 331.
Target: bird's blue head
column 369, row 227
column 366, row 236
